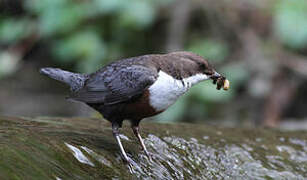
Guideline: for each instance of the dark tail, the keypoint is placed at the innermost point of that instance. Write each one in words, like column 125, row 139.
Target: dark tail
column 74, row 80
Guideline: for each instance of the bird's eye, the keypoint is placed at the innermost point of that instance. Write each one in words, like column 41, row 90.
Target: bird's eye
column 202, row 66
column 208, row 71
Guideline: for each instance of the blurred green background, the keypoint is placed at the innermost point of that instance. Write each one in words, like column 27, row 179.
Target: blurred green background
column 260, row 46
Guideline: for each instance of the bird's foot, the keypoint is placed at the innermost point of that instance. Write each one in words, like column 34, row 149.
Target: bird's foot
column 131, row 165
column 148, row 155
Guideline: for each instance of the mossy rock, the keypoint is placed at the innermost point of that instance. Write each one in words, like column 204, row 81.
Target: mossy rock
column 76, row 148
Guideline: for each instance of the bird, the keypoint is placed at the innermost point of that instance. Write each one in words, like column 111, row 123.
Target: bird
column 138, row 87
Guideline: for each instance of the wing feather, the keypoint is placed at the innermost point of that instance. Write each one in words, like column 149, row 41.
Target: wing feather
column 115, row 86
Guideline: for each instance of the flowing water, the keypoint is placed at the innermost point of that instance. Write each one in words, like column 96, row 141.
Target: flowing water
column 46, row 148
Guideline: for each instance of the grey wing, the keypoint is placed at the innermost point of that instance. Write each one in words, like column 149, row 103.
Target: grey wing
column 120, row 86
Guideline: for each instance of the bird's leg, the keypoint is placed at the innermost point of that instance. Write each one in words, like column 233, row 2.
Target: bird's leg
column 137, row 134
column 126, row 159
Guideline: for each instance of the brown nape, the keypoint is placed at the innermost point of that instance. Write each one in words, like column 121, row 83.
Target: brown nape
column 183, row 64
column 203, row 65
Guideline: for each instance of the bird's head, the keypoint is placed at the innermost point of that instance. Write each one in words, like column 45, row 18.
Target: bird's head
column 202, row 66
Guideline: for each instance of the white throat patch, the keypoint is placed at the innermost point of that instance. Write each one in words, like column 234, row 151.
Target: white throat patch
column 166, row 90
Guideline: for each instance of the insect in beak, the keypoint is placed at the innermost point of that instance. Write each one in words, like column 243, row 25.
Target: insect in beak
column 221, row 81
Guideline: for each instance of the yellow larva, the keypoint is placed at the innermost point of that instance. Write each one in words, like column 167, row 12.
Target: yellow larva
column 226, row 85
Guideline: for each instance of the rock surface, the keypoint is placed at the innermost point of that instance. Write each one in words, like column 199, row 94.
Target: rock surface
column 60, row 148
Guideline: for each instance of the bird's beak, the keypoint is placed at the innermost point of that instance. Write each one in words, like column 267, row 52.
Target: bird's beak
column 215, row 75
column 220, row 80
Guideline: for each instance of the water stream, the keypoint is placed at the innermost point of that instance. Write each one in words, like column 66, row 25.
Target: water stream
column 45, row 148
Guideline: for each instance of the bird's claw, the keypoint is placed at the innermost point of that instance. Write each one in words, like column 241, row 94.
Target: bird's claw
column 131, row 165
column 148, row 155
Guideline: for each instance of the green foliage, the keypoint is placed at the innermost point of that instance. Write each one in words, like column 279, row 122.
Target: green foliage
column 57, row 16
column 212, row 49
column 107, row 7
column 291, row 23
column 84, row 46
column 138, row 14
column 12, row 30
column 82, row 34
column 85, row 34
column 80, row 31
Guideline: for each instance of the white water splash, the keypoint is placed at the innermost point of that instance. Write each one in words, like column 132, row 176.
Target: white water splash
column 79, row 155
column 98, row 157
column 124, row 137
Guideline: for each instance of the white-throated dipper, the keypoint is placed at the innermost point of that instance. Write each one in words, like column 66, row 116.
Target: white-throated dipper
column 138, row 87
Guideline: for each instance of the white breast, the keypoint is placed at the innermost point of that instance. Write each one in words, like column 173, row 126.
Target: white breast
column 166, row 90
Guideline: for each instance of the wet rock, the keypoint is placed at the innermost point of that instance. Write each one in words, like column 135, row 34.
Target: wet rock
column 61, row 148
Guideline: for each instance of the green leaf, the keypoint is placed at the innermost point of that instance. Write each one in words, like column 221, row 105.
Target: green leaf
column 137, row 14
column 90, row 65
column 61, row 20
column 109, row 6
column 211, row 49
column 82, row 46
column 290, row 23
column 12, row 30
column 39, row 6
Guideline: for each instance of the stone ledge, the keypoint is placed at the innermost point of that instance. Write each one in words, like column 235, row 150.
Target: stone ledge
column 79, row 148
